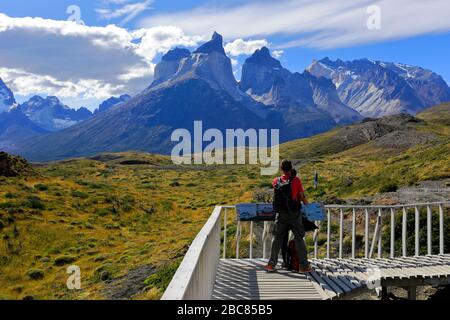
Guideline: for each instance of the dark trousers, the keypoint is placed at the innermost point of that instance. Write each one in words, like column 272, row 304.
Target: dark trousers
column 281, row 228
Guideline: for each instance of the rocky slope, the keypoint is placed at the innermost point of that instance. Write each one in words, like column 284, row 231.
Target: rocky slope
column 6, row 97
column 111, row 102
column 12, row 166
column 51, row 115
column 376, row 88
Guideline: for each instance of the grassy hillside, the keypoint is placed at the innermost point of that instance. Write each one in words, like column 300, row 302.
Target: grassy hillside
column 108, row 217
column 404, row 155
column 121, row 217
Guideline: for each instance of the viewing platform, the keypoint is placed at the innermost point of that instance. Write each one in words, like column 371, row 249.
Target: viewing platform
column 207, row 272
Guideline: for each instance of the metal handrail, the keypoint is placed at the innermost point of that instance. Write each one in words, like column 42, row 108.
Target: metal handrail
column 370, row 247
column 195, row 277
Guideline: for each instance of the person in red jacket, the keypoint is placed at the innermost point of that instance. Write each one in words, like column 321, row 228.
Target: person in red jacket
column 288, row 197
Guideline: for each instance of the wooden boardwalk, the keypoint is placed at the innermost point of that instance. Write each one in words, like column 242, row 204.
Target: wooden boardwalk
column 245, row 279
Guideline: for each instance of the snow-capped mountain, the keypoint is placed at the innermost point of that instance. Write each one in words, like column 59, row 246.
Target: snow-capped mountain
column 376, row 88
column 430, row 87
column 303, row 96
column 111, row 102
column 200, row 85
column 51, row 115
column 6, row 97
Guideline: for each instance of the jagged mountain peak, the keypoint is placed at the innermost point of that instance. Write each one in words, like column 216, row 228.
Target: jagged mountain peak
column 209, row 63
column 7, row 100
column 214, row 45
column 111, row 102
column 376, row 88
column 51, row 114
column 262, row 57
column 176, row 54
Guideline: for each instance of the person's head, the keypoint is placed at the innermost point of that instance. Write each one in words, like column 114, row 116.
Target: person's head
column 293, row 172
column 286, row 166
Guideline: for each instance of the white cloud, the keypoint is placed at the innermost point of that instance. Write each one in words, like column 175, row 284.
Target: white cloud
column 241, row 47
column 43, row 56
column 319, row 23
column 277, row 53
column 127, row 11
column 161, row 39
column 24, row 83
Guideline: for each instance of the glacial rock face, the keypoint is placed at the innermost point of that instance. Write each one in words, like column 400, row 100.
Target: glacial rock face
column 326, row 98
column 51, row 115
column 268, row 82
column 209, row 63
column 169, row 65
column 200, row 85
column 377, row 89
column 429, row 87
column 6, row 97
column 111, row 102
column 302, row 99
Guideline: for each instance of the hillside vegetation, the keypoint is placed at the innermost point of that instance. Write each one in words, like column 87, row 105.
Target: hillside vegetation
column 127, row 219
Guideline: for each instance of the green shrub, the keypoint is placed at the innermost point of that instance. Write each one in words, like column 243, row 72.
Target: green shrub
column 104, row 273
column 34, row 202
column 162, row 277
column 7, row 205
column 79, row 194
column 41, row 187
column 65, row 259
column 10, row 195
column 388, row 187
column 103, row 212
column 35, row 274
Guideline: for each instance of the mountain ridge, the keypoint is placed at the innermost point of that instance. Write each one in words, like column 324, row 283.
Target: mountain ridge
column 268, row 96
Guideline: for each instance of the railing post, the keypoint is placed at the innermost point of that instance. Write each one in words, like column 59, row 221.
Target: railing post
column 341, row 232
column 441, row 229
column 417, row 225
column 392, row 233
column 316, row 236
column 429, row 234
column 353, row 234
column 404, row 236
column 225, row 233
column 328, row 233
column 263, row 238
column 380, row 233
column 251, row 240
column 366, row 234
column 375, row 237
column 238, row 238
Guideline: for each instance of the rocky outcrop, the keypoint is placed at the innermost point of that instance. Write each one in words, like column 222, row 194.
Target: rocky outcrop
column 12, row 166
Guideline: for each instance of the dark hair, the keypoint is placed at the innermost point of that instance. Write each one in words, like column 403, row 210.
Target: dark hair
column 293, row 173
column 286, row 165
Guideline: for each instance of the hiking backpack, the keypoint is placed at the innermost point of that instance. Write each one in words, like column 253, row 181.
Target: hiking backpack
column 282, row 200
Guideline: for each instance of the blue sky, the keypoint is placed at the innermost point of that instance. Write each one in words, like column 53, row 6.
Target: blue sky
column 121, row 41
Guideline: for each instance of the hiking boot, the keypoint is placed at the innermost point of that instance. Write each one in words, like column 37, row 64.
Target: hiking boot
column 269, row 268
column 305, row 270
